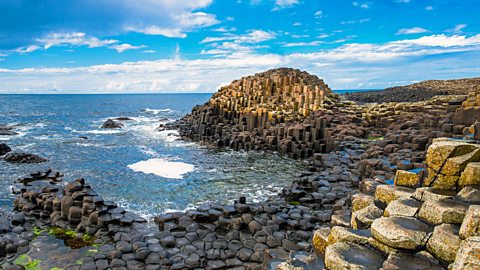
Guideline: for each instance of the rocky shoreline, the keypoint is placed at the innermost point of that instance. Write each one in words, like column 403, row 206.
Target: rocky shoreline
column 389, row 186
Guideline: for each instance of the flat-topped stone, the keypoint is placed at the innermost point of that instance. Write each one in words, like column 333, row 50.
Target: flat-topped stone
column 406, row 179
column 342, row 255
column 469, row 195
column 401, row 232
column 361, row 200
column 445, row 211
column 387, row 193
column 445, row 242
column 362, row 219
column 342, row 234
column 406, row 207
column 404, row 261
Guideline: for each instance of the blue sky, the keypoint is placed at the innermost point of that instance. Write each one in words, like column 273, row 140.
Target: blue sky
column 151, row 46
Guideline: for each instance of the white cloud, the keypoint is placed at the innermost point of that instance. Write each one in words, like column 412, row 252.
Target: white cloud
column 185, row 22
column 414, row 30
column 457, row 29
column 348, row 66
column 125, row 47
column 279, row 4
column 356, row 21
column 27, row 49
column 74, row 39
column 402, row 1
column 429, row 8
column 303, row 44
column 252, row 36
column 364, row 5
column 319, row 14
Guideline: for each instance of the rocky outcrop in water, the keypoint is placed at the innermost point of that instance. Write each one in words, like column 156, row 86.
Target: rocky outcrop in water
column 4, row 149
column 112, row 124
column 418, row 91
column 19, row 157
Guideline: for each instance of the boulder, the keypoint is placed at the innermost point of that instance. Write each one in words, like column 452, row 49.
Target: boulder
column 470, row 176
column 387, row 193
column 404, row 261
column 468, row 255
column 361, row 200
column 320, row 240
column 342, row 234
column 443, row 149
column 445, row 211
column 445, row 242
column 405, row 207
column 471, row 222
column 469, row 195
column 362, row 219
column 17, row 157
column 112, row 124
column 4, row 149
column 342, row 255
column 407, row 179
column 446, row 160
column 401, row 232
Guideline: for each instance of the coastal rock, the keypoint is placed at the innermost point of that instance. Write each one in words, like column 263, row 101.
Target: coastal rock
column 362, row 219
column 468, row 255
column 18, row 157
column 342, row 255
column 471, row 222
column 445, row 242
column 401, row 232
column 470, row 176
column 403, row 261
column 4, row 149
column 445, row 211
column 111, row 124
column 320, row 240
column 385, row 194
column 405, row 207
column 407, row 179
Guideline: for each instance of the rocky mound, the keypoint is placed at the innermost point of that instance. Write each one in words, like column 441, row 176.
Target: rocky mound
column 112, row 124
column 418, row 91
column 17, row 157
column 4, row 149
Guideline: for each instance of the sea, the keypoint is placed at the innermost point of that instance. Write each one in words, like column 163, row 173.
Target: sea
column 144, row 170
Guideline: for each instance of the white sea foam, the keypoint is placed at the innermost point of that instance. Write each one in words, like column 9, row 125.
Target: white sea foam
column 163, row 168
column 4, row 138
column 106, row 131
column 156, row 111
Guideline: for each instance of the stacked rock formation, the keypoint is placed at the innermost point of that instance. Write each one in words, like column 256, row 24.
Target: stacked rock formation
column 271, row 110
column 419, row 222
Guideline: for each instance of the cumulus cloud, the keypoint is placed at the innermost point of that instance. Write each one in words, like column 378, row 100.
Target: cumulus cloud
column 348, row 66
column 25, row 21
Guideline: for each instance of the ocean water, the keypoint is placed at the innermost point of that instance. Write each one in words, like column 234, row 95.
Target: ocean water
column 144, row 170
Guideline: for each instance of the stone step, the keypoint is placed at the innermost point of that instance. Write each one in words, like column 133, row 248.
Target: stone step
column 401, row 232
column 342, row 255
column 385, row 194
column 445, row 242
column 444, row 211
column 405, row 207
column 362, row 219
column 468, row 255
column 404, row 261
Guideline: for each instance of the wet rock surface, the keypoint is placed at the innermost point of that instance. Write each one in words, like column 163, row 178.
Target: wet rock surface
column 112, row 124
column 19, row 157
column 4, row 149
